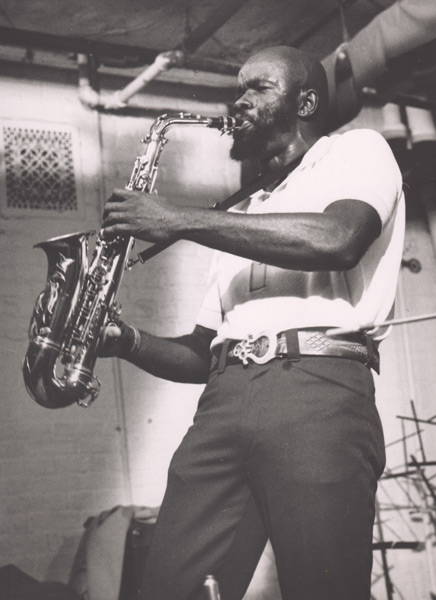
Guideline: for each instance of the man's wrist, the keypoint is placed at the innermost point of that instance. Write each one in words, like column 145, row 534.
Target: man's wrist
column 131, row 343
column 135, row 342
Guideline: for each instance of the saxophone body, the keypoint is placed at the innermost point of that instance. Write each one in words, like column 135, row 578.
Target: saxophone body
column 69, row 317
column 79, row 298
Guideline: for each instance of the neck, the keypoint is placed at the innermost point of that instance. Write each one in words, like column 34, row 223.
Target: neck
column 282, row 155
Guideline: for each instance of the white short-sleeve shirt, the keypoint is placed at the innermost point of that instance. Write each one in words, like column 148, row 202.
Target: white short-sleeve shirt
column 246, row 297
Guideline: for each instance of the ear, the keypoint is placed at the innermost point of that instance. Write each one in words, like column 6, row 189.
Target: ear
column 308, row 103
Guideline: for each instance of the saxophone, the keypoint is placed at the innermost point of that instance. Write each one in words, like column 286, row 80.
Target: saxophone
column 79, row 299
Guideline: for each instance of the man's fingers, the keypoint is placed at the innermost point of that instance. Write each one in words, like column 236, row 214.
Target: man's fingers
column 116, row 229
column 118, row 196
column 111, row 344
column 114, row 208
column 113, row 331
column 110, row 217
column 112, row 205
column 117, row 215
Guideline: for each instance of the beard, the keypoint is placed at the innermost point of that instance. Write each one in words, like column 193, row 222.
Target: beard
column 252, row 141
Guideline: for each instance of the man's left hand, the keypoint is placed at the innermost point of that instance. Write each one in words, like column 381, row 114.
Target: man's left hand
column 141, row 215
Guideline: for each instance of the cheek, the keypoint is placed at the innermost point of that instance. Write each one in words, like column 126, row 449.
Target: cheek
column 267, row 112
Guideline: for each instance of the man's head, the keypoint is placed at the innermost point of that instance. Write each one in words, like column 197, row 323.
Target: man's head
column 282, row 95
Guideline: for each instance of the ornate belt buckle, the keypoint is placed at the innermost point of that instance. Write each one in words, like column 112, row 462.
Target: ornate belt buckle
column 260, row 349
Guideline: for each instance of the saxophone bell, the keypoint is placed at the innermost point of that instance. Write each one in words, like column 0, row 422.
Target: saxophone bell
column 69, row 318
column 51, row 324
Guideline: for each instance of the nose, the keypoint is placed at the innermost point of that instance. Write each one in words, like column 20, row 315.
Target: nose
column 245, row 101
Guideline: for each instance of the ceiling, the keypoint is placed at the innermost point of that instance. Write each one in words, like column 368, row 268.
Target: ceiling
column 219, row 34
column 216, row 36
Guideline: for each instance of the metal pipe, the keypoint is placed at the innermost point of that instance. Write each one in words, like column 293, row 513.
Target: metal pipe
column 161, row 63
column 90, row 97
column 403, row 27
column 176, row 57
column 151, row 107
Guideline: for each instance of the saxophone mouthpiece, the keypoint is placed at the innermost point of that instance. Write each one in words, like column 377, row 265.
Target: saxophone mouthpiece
column 225, row 124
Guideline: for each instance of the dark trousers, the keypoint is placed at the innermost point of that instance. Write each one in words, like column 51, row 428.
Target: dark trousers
column 289, row 451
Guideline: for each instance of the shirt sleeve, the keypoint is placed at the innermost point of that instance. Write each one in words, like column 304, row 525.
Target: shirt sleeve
column 364, row 167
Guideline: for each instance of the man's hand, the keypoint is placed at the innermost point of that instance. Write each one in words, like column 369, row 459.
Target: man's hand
column 143, row 216
column 116, row 338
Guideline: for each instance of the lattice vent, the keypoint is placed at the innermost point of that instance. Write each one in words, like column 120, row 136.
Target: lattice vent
column 39, row 169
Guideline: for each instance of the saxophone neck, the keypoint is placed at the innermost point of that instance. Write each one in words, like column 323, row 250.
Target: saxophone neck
column 225, row 124
column 143, row 177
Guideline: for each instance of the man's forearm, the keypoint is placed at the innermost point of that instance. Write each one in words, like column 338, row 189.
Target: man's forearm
column 334, row 240
column 184, row 359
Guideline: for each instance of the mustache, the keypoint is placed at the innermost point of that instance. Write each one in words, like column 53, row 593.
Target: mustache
column 247, row 122
column 242, row 116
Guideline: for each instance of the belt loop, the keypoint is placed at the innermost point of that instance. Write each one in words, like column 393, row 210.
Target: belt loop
column 223, row 357
column 373, row 355
column 292, row 345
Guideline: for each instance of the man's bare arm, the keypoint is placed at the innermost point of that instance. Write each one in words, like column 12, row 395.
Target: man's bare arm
column 333, row 240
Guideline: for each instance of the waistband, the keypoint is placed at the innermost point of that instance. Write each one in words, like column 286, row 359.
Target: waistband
column 292, row 344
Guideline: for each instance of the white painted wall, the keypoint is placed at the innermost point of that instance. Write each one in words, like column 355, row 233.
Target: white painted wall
column 59, row 467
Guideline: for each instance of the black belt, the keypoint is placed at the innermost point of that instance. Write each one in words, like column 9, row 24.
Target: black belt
column 292, row 344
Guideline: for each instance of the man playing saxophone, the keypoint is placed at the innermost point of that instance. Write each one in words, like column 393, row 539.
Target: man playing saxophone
column 286, row 442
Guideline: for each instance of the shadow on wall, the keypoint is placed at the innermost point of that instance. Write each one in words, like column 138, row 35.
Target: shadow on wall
column 64, row 556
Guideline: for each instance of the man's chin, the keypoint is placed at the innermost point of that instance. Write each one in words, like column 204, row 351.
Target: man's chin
column 248, row 143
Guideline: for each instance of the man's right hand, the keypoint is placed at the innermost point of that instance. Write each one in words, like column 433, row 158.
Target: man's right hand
column 116, row 340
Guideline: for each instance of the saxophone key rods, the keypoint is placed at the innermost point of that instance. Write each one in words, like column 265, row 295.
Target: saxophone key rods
column 79, row 298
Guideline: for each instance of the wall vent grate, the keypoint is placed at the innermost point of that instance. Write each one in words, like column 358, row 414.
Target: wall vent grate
column 39, row 169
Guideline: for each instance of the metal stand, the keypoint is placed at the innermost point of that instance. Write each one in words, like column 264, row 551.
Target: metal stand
column 422, row 502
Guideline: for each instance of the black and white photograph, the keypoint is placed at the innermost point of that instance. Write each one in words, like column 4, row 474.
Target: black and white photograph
column 218, row 299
